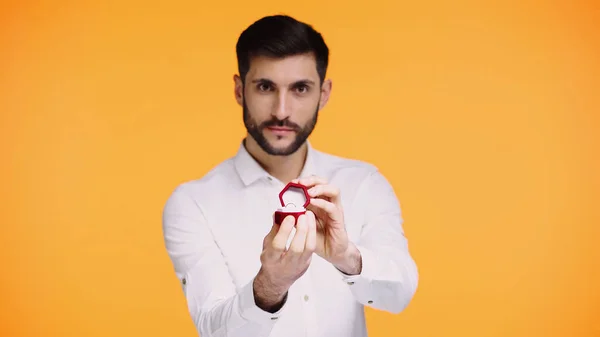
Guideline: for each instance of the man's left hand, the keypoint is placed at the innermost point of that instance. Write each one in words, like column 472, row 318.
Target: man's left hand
column 333, row 243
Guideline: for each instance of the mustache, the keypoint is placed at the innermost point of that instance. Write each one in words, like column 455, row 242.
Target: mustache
column 280, row 123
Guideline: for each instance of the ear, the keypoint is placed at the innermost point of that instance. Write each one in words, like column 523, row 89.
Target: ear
column 325, row 92
column 238, row 89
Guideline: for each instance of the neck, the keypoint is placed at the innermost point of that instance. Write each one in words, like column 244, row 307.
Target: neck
column 284, row 168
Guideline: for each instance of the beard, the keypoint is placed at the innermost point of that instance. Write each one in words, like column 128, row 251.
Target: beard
column 255, row 130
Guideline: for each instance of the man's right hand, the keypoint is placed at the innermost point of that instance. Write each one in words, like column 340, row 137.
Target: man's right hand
column 281, row 267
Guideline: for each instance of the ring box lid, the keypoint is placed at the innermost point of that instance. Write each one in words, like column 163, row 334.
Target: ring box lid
column 294, row 196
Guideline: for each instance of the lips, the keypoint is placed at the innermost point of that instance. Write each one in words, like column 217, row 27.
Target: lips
column 275, row 128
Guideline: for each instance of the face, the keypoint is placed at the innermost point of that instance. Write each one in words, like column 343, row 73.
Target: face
column 281, row 99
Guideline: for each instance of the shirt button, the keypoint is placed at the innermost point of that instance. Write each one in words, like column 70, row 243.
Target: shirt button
column 370, row 302
column 183, row 281
column 350, row 283
column 274, row 318
column 306, row 298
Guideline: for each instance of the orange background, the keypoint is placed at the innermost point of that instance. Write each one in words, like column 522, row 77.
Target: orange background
column 484, row 117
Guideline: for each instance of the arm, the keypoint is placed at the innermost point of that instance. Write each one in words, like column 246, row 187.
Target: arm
column 379, row 268
column 216, row 307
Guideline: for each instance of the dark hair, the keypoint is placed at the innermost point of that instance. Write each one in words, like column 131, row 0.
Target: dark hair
column 280, row 36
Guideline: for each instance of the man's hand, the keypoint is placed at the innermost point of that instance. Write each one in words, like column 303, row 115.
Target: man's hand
column 333, row 243
column 281, row 267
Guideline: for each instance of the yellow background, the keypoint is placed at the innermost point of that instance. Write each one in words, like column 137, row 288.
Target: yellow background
column 483, row 116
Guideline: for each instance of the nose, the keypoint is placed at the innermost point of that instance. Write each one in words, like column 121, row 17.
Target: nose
column 281, row 110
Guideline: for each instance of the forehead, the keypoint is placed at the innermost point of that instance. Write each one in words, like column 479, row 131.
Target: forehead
column 284, row 70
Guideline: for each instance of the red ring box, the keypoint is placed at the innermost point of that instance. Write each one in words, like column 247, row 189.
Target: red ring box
column 294, row 199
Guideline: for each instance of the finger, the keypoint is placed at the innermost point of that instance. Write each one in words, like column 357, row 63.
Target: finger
column 278, row 243
column 332, row 211
column 311, row 236
column 271, row 235
column 298, row 242
column 290, row 238
column 312, row 181
column 328, row 191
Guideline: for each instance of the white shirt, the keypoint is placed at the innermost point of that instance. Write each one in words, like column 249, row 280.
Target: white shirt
column 214, row 229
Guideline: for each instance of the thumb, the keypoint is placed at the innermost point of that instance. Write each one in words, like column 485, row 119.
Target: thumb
column 271, row 235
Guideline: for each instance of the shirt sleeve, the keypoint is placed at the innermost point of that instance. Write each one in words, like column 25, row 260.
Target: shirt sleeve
column 389, row 276
column 216, row 306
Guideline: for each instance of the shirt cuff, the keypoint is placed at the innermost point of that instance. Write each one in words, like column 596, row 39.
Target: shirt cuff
column 251, row 312
column 361, row 285
column 368, row 267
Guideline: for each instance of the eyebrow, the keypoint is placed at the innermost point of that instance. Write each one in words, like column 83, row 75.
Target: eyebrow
column 299, row 82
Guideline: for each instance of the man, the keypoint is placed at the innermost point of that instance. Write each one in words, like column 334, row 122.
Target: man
column 347, row 252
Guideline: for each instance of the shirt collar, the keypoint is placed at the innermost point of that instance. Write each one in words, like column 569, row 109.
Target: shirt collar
column 250, row 170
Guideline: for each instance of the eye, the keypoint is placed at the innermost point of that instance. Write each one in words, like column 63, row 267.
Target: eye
column 264, row 87
column 302, row 89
